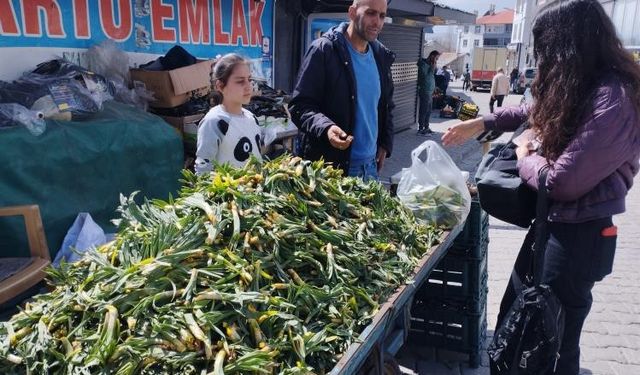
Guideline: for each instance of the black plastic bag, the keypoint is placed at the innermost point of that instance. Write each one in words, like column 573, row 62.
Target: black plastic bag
column 56, row 87
column 529, row 338
column 502, row 192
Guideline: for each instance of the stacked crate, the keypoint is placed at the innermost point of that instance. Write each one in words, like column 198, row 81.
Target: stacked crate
column 450, row 309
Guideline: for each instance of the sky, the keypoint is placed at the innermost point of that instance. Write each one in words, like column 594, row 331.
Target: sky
column 480, row 5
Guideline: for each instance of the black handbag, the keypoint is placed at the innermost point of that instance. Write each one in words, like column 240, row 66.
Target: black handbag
column 501, row 191
column 530, row 335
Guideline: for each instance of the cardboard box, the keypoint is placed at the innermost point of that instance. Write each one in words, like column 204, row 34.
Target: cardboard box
column 172, row 88
column 187, row 126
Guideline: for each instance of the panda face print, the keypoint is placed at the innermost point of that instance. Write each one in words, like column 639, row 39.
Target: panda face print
column 243, row 149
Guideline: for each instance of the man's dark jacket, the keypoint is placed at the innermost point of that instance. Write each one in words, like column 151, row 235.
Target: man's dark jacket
column 326, row 94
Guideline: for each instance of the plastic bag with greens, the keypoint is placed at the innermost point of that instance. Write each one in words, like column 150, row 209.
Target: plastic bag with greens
column 434, row 188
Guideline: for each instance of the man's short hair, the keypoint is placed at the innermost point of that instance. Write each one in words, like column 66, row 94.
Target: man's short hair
column 500, row 70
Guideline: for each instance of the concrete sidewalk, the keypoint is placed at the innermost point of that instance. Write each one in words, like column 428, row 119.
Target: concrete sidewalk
column 611, row 336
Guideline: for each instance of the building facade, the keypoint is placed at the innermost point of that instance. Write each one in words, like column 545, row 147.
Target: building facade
column 469, row 37
column 625, row 15
column 497, row 27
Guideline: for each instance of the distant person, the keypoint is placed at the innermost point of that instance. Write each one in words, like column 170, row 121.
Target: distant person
column 515, row 74
column 466, row 85
column 443, row 77
column 426, row 87
column 499, row 89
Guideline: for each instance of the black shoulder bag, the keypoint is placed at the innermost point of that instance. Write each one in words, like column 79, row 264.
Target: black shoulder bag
column 502, row 192
column 529, row 338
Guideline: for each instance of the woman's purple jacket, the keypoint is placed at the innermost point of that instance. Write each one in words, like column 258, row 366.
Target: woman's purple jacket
column 591, row 178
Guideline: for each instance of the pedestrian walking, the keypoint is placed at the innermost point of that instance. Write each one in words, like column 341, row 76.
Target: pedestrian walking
column 466, row 85
column 586, row 116
column 499, row 89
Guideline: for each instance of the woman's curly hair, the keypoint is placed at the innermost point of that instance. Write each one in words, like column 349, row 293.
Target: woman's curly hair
column 576, row 46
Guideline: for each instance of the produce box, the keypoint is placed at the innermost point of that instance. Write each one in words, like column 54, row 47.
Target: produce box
column 172, row 88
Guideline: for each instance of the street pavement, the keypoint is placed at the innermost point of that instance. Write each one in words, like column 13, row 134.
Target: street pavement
column 611, row 336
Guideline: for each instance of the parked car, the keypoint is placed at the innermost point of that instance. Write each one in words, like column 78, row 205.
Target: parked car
column 525, row 80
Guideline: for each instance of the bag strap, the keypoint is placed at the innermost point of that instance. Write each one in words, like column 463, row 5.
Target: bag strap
column 542, row 227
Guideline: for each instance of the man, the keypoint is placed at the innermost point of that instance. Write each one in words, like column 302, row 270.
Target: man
column 499, row 89
column 466, row 85
column 442, row 79
column 342, row 102
column 426, row 87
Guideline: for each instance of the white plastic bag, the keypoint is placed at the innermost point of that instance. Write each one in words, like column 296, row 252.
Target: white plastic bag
column 434, row 188
column 12, row 113
column 83, row 235
column 108, row 60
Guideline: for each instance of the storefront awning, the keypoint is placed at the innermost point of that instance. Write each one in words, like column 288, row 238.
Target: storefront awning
column 443, row 15
column 423, row 11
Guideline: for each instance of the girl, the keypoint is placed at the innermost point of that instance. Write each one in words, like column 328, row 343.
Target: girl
column 229, row 133
column 587, row 115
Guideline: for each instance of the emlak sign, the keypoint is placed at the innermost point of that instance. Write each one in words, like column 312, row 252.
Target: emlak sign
column 205, row 28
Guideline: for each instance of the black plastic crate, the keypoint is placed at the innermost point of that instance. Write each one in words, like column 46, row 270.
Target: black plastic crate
column 449, row 329
column 456, row 277
column 470, row 304
column 476, row 228
column 477, row 251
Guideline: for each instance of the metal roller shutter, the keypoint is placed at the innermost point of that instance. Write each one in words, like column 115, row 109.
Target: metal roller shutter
column 406, row 43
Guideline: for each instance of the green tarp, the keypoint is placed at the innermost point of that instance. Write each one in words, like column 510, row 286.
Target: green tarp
column 84, row 167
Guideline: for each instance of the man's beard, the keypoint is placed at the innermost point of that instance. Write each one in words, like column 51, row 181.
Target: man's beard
column 360, row 30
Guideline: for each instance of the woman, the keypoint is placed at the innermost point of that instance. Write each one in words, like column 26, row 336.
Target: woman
column 586, row 114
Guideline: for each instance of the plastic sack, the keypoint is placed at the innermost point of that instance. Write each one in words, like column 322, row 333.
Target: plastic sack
column 82, row 236
column 59, row 89
column 274, row 127
column 12, row 114
column 111, row 62
column 434, row 188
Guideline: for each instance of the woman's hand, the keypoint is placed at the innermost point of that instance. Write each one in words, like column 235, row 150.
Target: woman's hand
column 462, row 132
column 524, row 150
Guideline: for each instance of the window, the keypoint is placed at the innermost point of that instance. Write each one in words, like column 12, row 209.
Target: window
column 466, row 29
column 508, row 28
column 476, row 43
column 490, row 42
column 465, row 43
column 478, row 29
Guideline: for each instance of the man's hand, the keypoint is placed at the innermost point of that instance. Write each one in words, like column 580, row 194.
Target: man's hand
column 338, row 138
column 380, row 156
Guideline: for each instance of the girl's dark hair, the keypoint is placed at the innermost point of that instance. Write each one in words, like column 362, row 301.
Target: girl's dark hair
column 221, row 71
column 576, row 46
column 432, row 56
